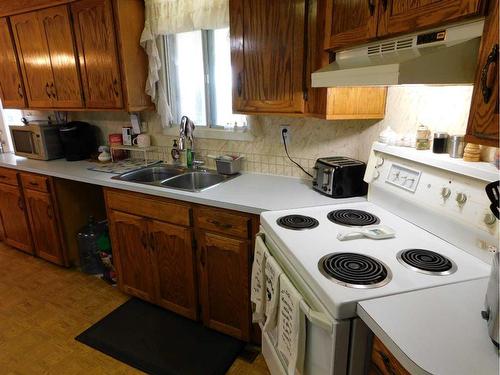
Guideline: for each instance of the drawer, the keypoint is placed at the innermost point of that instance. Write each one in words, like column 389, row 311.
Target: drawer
column 8, row 176
column 222, row 221
column 35, row 182
column 148, row 206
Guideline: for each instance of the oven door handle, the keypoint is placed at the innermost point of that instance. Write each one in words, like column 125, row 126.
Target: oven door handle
column 317, row 318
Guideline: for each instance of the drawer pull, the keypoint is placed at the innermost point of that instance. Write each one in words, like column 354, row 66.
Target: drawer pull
column 20, row 91
column 33, row 183
column 220, row 225
column 47, row 86
column 115, row 87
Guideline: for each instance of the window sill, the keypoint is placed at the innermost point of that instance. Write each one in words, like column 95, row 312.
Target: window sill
column 208, row 133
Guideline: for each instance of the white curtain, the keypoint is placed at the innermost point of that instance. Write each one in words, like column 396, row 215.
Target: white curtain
column 164, row 17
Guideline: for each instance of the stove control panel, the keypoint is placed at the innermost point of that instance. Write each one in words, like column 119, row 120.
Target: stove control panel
column 446, row 203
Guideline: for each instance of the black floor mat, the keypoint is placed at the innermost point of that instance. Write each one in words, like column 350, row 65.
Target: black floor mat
column 160, row 342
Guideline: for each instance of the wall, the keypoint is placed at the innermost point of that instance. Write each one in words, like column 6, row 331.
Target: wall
column 441, row 108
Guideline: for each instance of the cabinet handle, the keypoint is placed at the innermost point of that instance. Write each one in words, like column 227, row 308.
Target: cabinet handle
column 20, row 91
column 220, row 225
column 202, row 256
column 49, row 212
column 20, row 203
column 486, row 90
column 2, row 177
column 53, row 90
column 387, row 363
column 371, row 7
column 144, row 240
column 47, row 90
column 152, row 243
column 32, row 183
column 384, row 4
column 115, row 87
column 239, row 85
column 305, row 75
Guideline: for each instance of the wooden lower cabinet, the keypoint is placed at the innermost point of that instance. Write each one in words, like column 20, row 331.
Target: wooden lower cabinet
column 224, row 283
column 44, row 226
column 185, row 258
column 15, row 226
column 129, row 235
column 383, row 361
column 173, row 256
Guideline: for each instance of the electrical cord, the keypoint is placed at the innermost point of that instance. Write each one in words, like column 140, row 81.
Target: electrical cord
column 283, row 132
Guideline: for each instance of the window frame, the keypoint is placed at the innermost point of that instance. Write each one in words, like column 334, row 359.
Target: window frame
column 207, row 39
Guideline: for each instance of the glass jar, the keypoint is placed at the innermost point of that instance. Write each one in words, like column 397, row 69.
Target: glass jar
column 422, row 139
column 440, row 143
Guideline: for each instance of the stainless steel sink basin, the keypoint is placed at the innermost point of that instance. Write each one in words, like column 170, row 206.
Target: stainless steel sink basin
column 173, row 177
column 195, row 181
column 151, row 174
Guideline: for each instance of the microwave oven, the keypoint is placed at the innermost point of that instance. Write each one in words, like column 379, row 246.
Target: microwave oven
column 37, row 141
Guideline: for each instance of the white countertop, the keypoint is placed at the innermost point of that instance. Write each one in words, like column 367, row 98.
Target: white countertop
column 252, row 193
column 435, row 331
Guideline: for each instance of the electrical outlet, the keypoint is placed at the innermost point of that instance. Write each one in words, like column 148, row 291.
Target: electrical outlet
column 287, row 135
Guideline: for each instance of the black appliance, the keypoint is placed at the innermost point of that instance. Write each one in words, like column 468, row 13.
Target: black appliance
column 79, row 140
column 340, row 177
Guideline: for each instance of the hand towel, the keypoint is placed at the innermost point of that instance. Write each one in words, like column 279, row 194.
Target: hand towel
column 272, row 273
column 291, row 327
column 258, row 286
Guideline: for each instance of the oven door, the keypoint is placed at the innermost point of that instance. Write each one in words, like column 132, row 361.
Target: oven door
column 327, row 339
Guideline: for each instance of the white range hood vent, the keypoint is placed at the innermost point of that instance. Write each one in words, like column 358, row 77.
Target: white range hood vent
column 446, row 56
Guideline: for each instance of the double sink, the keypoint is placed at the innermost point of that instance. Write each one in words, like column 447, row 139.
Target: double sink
column 175, row 177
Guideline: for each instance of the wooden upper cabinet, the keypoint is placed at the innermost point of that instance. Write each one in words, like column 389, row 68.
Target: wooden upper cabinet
column 267, row 55
column 66, row 92
column 350, row 22
column 484, row 118
column 11, row 86
column 406, row 16
column 173, row 257
column 44, row 226
column 98, row 55
column 129, row 236
column 45, row 45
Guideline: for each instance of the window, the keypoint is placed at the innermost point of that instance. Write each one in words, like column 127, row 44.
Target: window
column 198, row 75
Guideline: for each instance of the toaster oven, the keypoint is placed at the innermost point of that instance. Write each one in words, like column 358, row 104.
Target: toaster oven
column 37, row 141
column 340, row 177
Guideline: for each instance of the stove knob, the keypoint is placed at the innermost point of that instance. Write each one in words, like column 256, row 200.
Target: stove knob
column 489, row 219
column 461, row 199
column 445, row 192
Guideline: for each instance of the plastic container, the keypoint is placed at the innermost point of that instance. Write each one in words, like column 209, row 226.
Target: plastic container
column 90, row 242
column 228, row 166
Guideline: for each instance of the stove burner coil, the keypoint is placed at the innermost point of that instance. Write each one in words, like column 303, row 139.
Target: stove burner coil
column 297, row 222
column 356, row 218
column 354, row 270
column 426, row 261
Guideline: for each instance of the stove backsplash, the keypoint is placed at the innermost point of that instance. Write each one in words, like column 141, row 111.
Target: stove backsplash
column 441, row 108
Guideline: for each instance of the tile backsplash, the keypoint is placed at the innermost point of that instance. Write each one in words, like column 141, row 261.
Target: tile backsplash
column 444, row 108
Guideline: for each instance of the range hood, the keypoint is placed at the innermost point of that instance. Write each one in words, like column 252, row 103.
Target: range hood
column 446, row 56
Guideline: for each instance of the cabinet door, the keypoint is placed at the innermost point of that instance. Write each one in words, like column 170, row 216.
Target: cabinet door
column 350, row 22
column 11, row 87
column 13, row 216
column 174, row 262
column 130, row 244
column 34, row 59
column 44, row 226
column 66, row 87
column 405, row 16
column 224, row 285
column 267, row 55
column 483, row 118
column 97, row 50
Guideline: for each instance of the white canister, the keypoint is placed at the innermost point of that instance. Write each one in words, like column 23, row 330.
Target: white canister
column 142, row 140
